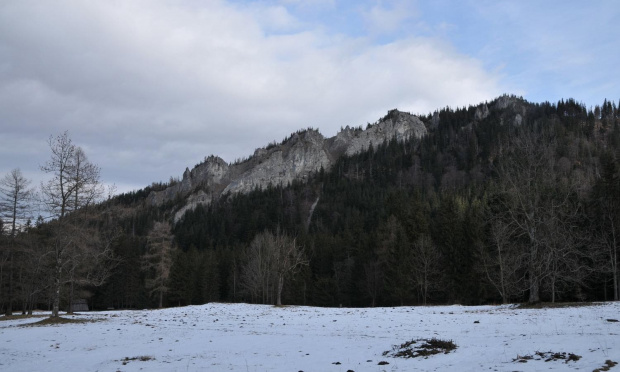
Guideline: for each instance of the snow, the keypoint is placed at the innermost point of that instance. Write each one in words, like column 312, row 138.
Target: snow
column 242, row 337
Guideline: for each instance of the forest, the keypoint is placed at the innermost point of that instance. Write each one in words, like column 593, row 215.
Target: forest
column 507, row 201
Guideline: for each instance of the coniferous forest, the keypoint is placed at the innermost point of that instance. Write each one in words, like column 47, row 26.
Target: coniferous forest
column 521, row 204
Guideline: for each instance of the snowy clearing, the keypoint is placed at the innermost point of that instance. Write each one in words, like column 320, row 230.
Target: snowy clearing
column 242, row 337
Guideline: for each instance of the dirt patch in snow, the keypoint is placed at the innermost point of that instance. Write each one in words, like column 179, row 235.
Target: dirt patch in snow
column 59, row 320
column 421, row 348
column 548, row 356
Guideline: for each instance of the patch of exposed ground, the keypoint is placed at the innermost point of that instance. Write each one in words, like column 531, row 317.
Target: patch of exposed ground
column 59, row 320
column 142, row 358
column 548, row 356
column 20, row 316
column 609, row 364
column 556, row 305
column 421, row 348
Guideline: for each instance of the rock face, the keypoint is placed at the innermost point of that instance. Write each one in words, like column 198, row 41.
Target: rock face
column 396, row 124
column 294, row 159
column 302, row 154
column 482, row 112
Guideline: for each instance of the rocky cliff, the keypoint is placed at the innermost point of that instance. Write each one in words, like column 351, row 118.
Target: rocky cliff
column 296, row 158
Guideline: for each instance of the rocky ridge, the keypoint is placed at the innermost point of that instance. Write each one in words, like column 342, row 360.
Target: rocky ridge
column 296, row 158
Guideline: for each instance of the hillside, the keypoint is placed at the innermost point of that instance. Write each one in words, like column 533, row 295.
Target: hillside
column 410, row 219
column 504, row 201
column 295, row 159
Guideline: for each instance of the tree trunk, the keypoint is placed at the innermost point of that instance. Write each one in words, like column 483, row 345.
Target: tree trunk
column 71, row 294
column 533, row 273
column 30, row 303
column 280, row 286
column 9, row 307
column 425, row 290
column 616, row 289
column 502, row 282
column 56, row 301
column 534, row 291
column 614, row 263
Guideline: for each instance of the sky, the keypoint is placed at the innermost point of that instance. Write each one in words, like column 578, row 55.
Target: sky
column 150, row 87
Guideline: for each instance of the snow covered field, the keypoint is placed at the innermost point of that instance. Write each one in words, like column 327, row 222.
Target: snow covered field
column 241, row 337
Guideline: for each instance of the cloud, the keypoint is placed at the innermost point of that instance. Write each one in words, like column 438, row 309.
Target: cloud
column 151, row 87
column 387, row 17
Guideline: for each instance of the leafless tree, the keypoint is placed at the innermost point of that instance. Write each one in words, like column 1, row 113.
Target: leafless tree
column 539, row 205
column 73, row 186
column 257, row 272
column 270, row 259
column 609, row 241
column 158, row 259
column 526, row 177
column 289, row 258
column 425, row 260
column 566, row 252
column 503, row 262
column 84, row 180
column 57, row 192
column 34, row 277
column 90, row 257
column 607, row 207
column 56, row 195
column 15, row 198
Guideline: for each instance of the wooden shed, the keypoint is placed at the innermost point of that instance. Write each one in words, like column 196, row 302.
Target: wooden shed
column 80, row 305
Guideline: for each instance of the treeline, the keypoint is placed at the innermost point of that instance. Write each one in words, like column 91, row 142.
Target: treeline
column 505, row 207
column 51, row 262
column 503, row 202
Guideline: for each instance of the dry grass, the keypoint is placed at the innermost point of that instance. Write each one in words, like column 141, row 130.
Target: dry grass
column 548, row 356
column 421, row 348
column 609, row 364
column 20, row 316
column 143, row 358
column 59, row 321
column 556, row 305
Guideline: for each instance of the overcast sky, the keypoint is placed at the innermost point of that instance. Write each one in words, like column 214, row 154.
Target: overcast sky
column 150, row 87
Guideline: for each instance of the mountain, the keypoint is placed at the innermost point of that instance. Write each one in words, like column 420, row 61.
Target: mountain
column 296, row 158
column 502, row 201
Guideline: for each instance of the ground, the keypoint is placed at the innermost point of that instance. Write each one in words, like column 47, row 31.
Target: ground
column 242, row 337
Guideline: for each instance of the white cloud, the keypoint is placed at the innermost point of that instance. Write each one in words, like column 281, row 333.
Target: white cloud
column 387, row 17
column 154, row 86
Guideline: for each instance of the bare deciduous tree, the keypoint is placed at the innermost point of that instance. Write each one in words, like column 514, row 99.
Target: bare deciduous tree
column 607, row 206
column 84, row 180
column 289, row 257
column 257, row 272
column 425, row 260
column 502, row 262
column 539, row 204
column 15, row 197
column 526, row 177
column 58, row 190
column 269, row 260
column 73, row 186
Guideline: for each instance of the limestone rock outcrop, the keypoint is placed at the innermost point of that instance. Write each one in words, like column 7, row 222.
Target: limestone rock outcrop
column 302, row 154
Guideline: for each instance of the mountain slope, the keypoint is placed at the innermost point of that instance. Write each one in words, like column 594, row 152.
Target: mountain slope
column 304, row 153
